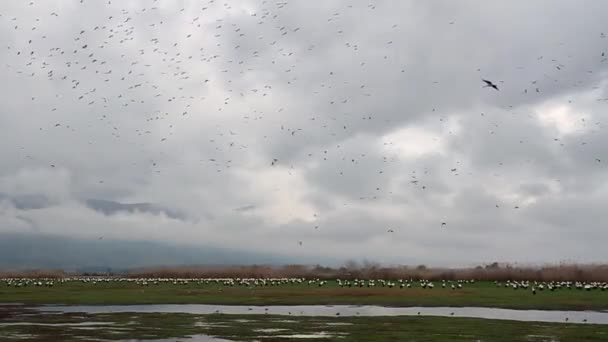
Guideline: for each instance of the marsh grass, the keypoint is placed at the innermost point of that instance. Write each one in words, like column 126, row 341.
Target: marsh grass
column 352, row 270
column 481, row 294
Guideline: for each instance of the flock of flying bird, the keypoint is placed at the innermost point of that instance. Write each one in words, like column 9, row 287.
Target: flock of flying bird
column 134, row 79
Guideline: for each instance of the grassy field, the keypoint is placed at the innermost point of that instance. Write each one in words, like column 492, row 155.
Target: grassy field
column 483, row 294
column 123, row 326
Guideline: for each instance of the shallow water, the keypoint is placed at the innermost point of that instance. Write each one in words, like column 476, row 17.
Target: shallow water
column 270, row 330
column 321, row 334
column 596, row 317
column 193, row 338
column 79, row 324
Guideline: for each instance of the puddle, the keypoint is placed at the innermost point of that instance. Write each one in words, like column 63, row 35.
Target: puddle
column 244, row 320
column 194, row 338
column 270, row 330
column 210, row 325
column 541, row 338
column 20, row 336
column 321, row 334
column 595, row 317
column 81, row 324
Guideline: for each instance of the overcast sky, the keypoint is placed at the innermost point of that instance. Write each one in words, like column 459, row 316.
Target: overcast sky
column 333, row 129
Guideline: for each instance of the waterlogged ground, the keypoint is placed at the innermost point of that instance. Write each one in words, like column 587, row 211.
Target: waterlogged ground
column 19, row 323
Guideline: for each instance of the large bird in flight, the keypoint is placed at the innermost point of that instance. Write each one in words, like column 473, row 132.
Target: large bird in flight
column 489, row 84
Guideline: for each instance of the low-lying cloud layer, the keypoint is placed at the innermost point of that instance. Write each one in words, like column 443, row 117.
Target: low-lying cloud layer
column 335, row 130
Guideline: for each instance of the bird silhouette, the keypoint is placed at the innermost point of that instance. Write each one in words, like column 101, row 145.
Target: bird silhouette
column 490, row 84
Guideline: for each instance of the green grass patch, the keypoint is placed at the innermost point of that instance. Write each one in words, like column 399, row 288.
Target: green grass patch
column 481, row 294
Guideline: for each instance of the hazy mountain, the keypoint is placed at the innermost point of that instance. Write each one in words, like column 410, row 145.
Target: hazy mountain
column 46, row 251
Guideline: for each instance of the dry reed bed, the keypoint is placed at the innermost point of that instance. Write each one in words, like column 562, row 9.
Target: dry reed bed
column 562, row 272
column 489, row 272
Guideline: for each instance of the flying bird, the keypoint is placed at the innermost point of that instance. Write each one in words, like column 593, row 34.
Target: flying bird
column 490, row 84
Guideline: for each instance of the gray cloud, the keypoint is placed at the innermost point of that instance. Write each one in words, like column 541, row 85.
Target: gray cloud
column 246, row 208
column 110, row 207
column 26, row 202
column 162, row 120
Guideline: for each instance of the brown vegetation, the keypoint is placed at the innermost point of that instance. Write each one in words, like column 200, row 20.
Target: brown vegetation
column 353, row 270
column 34, row 273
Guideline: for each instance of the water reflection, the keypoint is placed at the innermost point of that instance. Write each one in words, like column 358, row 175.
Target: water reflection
column 597, row 317
column 193, row 338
